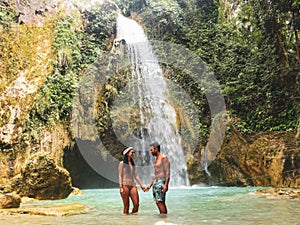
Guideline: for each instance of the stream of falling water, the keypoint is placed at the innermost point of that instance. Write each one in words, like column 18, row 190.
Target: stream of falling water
column 147, row 93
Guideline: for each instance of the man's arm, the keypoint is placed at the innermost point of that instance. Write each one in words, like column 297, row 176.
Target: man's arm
column 150, row 184
column 166, row 165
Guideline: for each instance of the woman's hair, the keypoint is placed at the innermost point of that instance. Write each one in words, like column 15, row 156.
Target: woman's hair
column 125, row 160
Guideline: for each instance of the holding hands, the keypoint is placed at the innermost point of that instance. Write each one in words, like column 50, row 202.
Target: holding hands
column 145, row 188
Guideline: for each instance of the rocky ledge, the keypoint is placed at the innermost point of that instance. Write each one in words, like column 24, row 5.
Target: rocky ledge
column 54, row 210
column 281, row 193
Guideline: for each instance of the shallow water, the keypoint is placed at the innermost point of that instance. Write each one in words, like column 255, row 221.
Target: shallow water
column 205, row 205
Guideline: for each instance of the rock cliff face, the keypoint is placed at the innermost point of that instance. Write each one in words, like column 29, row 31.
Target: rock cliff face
column 33, row 11
column 267, row 159
column 25, row 64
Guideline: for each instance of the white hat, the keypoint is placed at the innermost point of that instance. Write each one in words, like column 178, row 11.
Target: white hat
column 127, row 150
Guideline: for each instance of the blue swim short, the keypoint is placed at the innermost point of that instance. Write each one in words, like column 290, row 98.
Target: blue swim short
column 157, row 189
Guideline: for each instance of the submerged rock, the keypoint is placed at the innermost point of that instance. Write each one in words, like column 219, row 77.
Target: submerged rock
column 56, row 210
column 42, row 179
column 9, row 201
column 280, row 193
column 76, row 191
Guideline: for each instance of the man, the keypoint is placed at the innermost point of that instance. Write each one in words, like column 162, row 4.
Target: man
column 161, row 178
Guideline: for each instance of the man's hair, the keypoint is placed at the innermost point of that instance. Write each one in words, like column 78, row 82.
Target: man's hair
column 155, row 145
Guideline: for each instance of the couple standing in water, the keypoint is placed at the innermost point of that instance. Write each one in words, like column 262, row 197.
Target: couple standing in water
column 160, row 180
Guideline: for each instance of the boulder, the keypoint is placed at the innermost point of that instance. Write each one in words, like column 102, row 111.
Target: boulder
column 42, row 179
column 10, row 201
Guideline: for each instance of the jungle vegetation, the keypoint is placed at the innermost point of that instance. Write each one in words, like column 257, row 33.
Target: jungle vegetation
column 252, row 46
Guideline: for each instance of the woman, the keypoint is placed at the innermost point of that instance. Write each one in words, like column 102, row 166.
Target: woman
column 127, row 175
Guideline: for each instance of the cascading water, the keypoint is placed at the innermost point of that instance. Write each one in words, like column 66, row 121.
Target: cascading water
column 205, row 162
column 149, row 97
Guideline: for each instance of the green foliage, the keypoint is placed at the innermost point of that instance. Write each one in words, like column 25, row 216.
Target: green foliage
column 199, row 120
column 127, row 6
column 200, row 28
column 66, row 42
column 252, row 47
column 7, row 15
column 99, row 29
column 53, row 104
column 108, row 94
column 164, row 20
column 259, row 87
column 58, row 92
column 96, row 39
column 79, row 38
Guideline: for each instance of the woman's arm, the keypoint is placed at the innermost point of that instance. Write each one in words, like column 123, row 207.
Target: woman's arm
column 138, row 179
column 120, row 170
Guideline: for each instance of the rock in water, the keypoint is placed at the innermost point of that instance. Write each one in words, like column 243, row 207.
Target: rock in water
column 42, row 179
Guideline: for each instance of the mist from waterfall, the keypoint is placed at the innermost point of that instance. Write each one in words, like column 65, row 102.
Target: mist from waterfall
column 148, row 98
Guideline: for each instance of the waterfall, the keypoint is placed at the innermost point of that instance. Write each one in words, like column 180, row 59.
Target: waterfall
column 147, row 96
column 205, row 162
